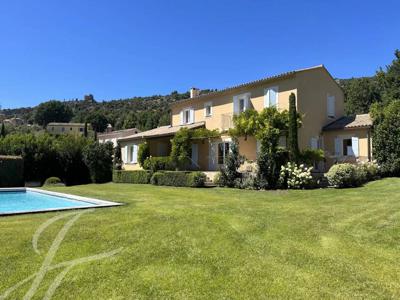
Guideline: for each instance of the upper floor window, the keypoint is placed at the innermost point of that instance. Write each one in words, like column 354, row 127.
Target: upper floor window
column 331, row 106
column 187, row 116
column 62, row 129
column 241, row 103
column 271, row 96
column 208, row 109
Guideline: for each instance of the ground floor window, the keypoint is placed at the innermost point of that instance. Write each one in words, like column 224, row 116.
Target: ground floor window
column 347, row 147
column 223, row 150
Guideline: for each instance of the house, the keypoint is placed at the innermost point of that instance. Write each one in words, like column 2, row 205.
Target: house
column 114, row 136
column 14, row 121
column 66, row 128
column 319, row 99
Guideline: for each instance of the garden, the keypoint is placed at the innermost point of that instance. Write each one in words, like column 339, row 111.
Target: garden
column 185, row 243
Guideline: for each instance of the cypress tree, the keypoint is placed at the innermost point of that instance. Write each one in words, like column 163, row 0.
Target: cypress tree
column 85, row 131
column 294, row 152
column 3, row 130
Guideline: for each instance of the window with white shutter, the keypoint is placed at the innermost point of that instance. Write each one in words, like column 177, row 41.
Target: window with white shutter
column 271, row 96
column 187, row 116
column 331, row 106
column 241, row 103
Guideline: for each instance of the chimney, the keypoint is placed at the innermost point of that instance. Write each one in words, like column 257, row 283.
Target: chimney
column 194, row 92
column 109, row 128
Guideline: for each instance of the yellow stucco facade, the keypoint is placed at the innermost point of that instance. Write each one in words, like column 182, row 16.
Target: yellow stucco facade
column 320, row 101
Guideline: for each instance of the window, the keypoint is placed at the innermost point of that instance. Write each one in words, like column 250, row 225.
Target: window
column 271, row 96
column 347, row 147
column 187, row 116
column 223, row 150
column 70, row 129
column 62, row 129
column 81, row 129
column 52, row 128
column 132, row 156
column 208, row 109
column 241, row 103
column 331, row 106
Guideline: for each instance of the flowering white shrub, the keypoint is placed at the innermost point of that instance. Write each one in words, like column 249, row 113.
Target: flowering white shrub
column 371, row 169
column 295, row 176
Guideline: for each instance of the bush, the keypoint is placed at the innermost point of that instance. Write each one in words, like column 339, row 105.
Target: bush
column 155, row 164
column 11, row 171
column 295, row 176
column 136, row 177
column 196, row 179
column 248, row 181
column 53, row 181
column 345, row 175
column 371, row 170
column 311, row 156
column 229, row 172
column 217, row 179
column 98, row 159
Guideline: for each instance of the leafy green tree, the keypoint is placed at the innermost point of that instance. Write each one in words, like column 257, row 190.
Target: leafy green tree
column 389, row 79
column 245, row 124
column 360, row 93
column 143, row 153
column 98, row 121
column 52, row 111
column 70, row 156
column 130, row 121
column 386, row 137
column 293, row 130
column 98, row 159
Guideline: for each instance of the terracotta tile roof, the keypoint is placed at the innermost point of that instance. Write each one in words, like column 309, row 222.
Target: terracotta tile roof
column 65, row 124
column 118, row 133
column 255, row 82
column 161, row 131
column 350, row 122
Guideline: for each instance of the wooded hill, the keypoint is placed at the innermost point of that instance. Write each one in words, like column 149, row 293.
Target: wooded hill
column 149, row 112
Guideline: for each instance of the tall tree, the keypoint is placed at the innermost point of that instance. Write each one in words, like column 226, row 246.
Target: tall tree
column 98, row 121
column 360, row 93
column 293, row 130
column 52, row 111
column 3, row 130
column 389, row 79
column 85, row 130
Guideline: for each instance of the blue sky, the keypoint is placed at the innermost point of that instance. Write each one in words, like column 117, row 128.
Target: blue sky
column 53, row 49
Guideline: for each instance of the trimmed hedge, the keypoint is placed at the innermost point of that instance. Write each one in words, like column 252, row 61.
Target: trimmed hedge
column 160, row 163
column 179, row 178
column 136, row 177
column 11, row 171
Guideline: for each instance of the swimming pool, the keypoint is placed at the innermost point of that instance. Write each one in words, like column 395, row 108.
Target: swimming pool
column 27, row 200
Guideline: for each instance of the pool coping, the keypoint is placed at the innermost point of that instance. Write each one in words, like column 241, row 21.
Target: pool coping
column 95, row 203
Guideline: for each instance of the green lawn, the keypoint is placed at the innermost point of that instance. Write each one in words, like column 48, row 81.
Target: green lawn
column 217, row 243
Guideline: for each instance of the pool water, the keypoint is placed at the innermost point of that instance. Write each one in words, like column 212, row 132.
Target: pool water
column 28, row 201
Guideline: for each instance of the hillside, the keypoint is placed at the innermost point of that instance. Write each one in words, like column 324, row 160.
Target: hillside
column 141, row 112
